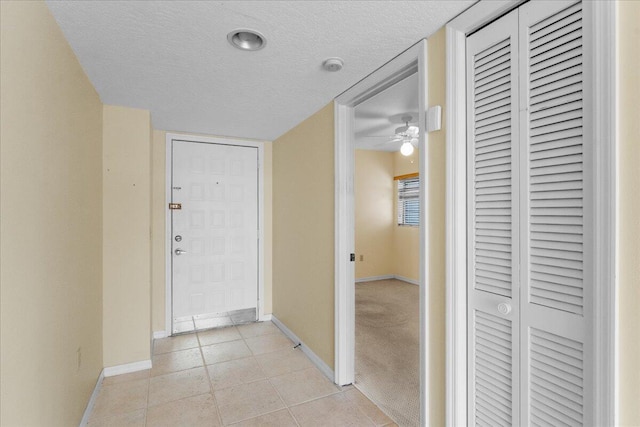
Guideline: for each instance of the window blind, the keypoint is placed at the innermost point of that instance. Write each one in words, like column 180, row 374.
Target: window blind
column 409, row 201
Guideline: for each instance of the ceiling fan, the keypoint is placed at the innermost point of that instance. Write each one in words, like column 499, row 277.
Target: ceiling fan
column 407, row 134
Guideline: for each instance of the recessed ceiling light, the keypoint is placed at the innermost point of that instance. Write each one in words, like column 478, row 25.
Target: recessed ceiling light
column 246, row 39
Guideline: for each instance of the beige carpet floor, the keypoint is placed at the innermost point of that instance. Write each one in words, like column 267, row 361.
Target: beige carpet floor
column 388, row 347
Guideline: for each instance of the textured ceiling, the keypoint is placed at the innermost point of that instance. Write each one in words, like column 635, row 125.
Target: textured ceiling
column 377, row 118
column 173, row 58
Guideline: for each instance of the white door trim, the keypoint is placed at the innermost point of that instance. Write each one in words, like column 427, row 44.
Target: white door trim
column 261, row 244
column 601, row 15
column 405, row 64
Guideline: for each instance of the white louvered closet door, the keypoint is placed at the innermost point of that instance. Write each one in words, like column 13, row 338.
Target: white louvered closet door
column 557, row 276
column 530, row 220
column 492, row 160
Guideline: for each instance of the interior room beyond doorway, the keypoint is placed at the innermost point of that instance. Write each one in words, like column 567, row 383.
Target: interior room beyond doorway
column 387, row 247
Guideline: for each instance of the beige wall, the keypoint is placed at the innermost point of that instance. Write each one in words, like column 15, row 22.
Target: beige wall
column 403, row 165
column 158, row 183
column 629, row 216
column 387, row 248
column 374, row 213
column 51, row 223
column 406, row 239
column 126, row 239
column 303, row 230
column 303, row 226
column 436, row 196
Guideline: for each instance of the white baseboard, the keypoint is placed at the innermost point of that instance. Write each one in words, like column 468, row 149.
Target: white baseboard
column 127, row 368
column 406, row 279
column 387, row 277
column 374, row 278
column 159, row 334
column 92, row 400
column 266, row 317
column 324, row 368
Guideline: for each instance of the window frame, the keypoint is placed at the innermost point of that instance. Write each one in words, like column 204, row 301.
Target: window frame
column 401, row 215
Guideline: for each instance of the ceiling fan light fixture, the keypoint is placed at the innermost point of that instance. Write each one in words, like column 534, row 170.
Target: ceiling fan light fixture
column 406, row 149
column 244, row 39
column 407, row 129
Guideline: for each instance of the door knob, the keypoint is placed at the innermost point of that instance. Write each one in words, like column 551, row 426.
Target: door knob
column 504, row 308
column 180, row 252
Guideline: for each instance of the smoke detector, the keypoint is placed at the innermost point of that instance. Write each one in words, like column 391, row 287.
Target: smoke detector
column 333, row 64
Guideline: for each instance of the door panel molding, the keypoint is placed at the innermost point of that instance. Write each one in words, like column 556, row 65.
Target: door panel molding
column 170, row 137
column 493, row 213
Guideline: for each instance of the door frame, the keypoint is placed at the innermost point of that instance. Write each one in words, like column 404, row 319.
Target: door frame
column 602, row 16
column 408, row 62
column 170, row 137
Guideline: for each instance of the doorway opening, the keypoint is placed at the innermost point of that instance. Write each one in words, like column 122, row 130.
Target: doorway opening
column 387, row 248
column 412, row 62
column 214, row 233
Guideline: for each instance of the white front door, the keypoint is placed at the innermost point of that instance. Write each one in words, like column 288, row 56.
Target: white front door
column 214, row 234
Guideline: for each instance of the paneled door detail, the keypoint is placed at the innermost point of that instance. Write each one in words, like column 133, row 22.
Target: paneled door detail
column 530, row 220
column 214, row 238
column 557, row 235
column 494, row 289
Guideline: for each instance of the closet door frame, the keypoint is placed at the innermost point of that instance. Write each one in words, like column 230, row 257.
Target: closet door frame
column 599, row 18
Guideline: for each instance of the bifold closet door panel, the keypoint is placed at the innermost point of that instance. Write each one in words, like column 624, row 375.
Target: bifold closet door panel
column 556, row 231
column 492, row 160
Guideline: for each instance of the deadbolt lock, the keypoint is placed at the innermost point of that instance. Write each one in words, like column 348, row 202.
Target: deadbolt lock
column 178, row 238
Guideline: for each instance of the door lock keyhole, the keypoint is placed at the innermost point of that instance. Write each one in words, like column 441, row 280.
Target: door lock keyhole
column 178, row 238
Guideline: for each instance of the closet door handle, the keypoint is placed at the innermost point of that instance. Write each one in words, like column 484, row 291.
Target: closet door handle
column 504, row 308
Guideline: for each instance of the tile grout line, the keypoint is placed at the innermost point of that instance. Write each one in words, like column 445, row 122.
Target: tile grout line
column 258, row 416
column 270, row 383
column 211, row 391
column 253, row 355
column 206, row 370
column 146, row 409
column 286, row 405
column 315, row 398
column 377, row 406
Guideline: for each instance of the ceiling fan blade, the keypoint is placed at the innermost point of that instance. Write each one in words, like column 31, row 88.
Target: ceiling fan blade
column 383, row 144
column 373, row 130
column 401, row 118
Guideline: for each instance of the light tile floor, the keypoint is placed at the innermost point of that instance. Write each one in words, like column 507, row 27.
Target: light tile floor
column 248, row 375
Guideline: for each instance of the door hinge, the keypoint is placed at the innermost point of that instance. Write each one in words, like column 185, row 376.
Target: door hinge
column 352, row 257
